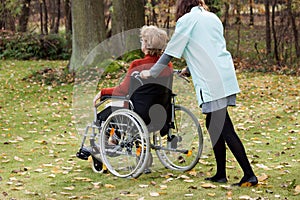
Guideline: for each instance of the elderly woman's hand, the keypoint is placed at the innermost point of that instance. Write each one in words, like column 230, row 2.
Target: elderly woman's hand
column 145, row 74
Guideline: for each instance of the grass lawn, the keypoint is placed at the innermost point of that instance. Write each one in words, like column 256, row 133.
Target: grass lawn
column 38, row 142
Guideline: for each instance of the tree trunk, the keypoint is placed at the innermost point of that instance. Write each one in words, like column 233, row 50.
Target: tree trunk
column 268, row 27
column 2, row 16
column 55, row 16
column 238, row 12
column 68, row 22
column 24, row 17
column 56, row 27
column 41, row 18
column 274, row 31
column 88, row 29
column 45, row 11
column 127, row 14
column 107, row 17
column 7, row 20
column 294, row 27
column 226, row 15
column 251, row 23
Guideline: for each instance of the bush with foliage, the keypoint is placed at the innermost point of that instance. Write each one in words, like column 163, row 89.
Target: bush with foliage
column 27, row 46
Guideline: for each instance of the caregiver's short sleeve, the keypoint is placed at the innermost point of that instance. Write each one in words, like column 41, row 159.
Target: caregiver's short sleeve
column 180, row 38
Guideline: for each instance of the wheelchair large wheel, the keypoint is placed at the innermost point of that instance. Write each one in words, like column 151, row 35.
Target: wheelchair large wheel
column 183, row 149
column 124, row 144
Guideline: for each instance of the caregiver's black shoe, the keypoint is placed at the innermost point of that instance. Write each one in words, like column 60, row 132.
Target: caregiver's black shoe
column 216, row 179
column 247, row 182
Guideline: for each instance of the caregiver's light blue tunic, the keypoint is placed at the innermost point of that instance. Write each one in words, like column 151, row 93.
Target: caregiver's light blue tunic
column 198, row 38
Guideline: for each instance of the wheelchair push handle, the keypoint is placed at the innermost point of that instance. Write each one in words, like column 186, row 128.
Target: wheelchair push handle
column 183, row 76
column 137, row 76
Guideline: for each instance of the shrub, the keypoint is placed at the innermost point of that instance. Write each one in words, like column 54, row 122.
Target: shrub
column 26, row 46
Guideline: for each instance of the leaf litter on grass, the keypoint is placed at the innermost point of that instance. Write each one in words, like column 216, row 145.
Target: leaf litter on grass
column 39, row 135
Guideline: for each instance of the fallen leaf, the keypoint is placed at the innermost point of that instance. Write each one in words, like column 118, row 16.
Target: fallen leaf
column 69, row 188
column 65, row 193
column 262, row 166
column 229, row 194
column 38, row 170
column 211, row 194
column 131, row 195
column 143, row 186
column 30, row 193
column 262, row 177
column 192, row 173
column 84, row 179
column 44, row 142
column 154, row 194
column 193, row 187
column 245, row 197
column 208, row 185
column 17, row 188
column 51, row 176
column 188, row 180
column 124, row 192
column 153, row 183
column 297, row 190
column 163, row 187
column 18, row 159
column 109, row 186
column 184, row 177
column 226, row 187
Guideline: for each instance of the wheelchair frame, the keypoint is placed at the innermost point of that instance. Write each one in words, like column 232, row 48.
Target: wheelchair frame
column 130, row 155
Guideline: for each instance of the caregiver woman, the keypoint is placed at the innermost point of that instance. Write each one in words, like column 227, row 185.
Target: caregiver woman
column 198, row 38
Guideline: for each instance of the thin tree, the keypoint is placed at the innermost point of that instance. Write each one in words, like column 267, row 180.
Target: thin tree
column 238, row 23
column 43, row 17
column 274, row 4
column 294, row 27
column 251, row 23
column 24, row 16
column 268, row 27
column 226, row 15
column 68, row 21
column 55, row 16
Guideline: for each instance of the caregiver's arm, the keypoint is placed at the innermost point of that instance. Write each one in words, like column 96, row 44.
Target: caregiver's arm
column 157, row 67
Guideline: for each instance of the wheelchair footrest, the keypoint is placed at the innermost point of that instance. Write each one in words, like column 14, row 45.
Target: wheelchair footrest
column 83, row 153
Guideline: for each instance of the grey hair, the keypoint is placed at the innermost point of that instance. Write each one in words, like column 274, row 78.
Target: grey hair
column 154, row 38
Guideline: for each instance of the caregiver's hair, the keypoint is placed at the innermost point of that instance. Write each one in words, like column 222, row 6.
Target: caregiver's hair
column 185, row 6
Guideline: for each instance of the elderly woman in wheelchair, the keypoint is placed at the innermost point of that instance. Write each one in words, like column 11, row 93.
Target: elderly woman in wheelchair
column 121, row 135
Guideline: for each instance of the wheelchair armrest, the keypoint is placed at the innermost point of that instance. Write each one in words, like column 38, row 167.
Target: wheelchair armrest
column 107, row 97
column 104, row 98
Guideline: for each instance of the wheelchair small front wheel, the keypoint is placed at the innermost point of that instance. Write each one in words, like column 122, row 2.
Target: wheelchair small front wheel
column 123, row 139
column 98, row 166
column 182, row 148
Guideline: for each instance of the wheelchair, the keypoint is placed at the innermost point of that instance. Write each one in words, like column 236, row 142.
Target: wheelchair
column 121, row 137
